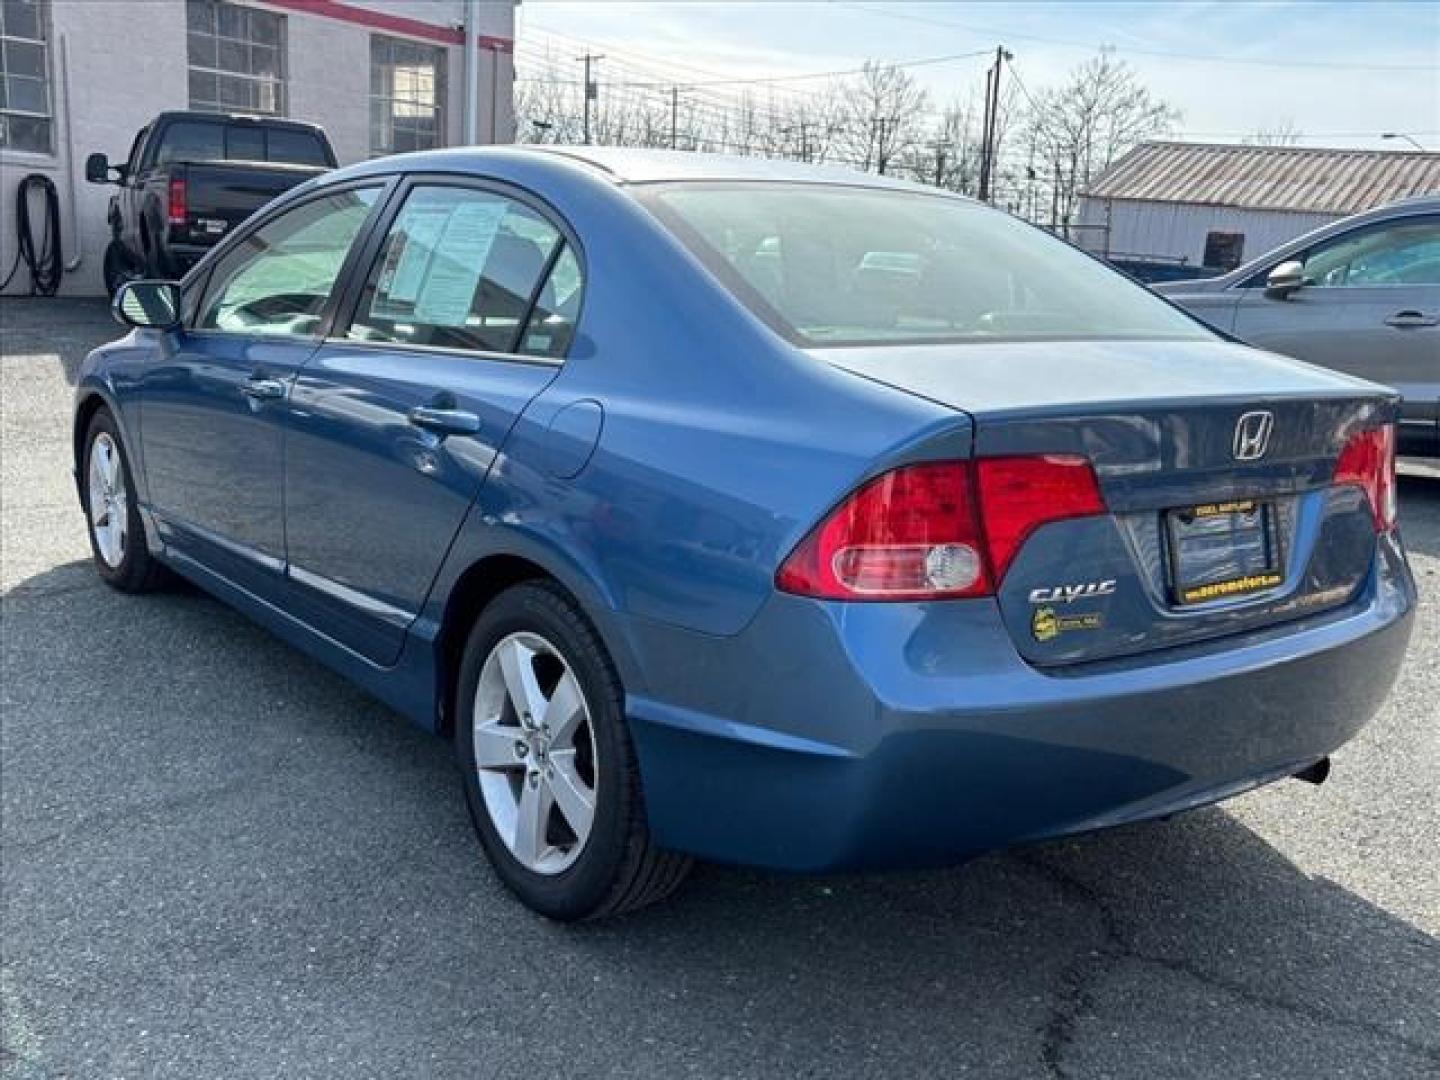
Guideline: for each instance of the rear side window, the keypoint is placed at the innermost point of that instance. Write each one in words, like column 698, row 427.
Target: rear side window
column 839, row 265
column 462, row 269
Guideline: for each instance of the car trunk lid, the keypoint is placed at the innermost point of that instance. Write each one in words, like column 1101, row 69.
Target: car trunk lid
column 1215, row 463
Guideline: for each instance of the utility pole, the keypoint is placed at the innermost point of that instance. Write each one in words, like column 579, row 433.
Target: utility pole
column 880, row 125
column 592, row 91
column 674, row 117
column 990, row 127
column 803, row 129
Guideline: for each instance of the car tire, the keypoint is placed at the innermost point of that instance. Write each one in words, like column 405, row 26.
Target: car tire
column 117, row 536
column 118, row 267
column 534, row 634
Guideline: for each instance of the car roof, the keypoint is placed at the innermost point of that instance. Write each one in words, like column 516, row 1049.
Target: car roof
column 624, row 166
column 234, row 118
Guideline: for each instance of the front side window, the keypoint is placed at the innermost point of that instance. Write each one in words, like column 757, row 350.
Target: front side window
column 279, row 278
column 407, row 84
column 237, row 58
column 25, row 118
column 838, row 265
column 462, row 269
column 1401, row 253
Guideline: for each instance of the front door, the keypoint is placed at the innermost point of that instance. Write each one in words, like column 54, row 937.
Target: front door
column 460, row 321
column 1370, row 306
column 212, row 405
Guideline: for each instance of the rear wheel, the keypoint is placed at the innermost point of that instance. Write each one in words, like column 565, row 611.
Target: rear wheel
column 117, row 537
column 549, row 771
column 118, row 268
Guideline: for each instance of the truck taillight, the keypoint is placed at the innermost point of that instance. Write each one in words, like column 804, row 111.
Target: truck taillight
column 1368, row 462
column 178, row 211
column 937, row 530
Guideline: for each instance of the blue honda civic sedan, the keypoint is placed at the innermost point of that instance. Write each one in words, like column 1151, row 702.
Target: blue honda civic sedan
column 752, row 512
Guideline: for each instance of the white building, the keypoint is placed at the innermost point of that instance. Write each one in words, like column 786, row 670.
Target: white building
column 1210, row 205
column 78, row 76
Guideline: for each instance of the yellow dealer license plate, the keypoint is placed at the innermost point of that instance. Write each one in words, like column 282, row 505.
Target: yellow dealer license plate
column 1221, row 550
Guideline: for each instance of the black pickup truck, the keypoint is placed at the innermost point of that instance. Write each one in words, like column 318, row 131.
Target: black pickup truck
column 192, row 177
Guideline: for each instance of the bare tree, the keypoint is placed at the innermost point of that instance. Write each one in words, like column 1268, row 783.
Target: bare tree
column 883, row 116
column 1285, row 133
column 1078, row 130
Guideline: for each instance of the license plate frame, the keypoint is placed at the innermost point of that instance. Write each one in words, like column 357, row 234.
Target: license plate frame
column 1221, row 551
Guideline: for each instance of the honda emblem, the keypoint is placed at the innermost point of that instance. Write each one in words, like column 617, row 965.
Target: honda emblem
column 1252, row 435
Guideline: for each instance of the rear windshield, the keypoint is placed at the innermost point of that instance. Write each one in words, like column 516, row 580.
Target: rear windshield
column 835, row 265
column 204, row 140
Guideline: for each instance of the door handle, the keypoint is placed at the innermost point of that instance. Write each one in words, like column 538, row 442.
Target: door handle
column 1404, row 319
column 263, row 389
column 444, row 421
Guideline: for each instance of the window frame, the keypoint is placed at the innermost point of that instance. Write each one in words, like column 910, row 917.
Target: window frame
column 282, row 60
column 442, row 76
column 379, row 232
column 385, row 186
column 45, row 28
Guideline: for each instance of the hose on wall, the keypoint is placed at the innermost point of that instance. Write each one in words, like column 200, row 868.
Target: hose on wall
column 44, row 263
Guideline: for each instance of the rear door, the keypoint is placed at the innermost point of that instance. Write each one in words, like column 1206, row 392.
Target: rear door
column 399, row 416
column 1370, row 307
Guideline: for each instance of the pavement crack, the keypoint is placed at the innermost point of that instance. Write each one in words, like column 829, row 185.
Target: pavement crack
column 1073, row 999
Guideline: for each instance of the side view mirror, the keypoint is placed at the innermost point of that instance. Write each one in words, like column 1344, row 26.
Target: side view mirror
column 154, row 305
column 1284, row 279
column 97, row 169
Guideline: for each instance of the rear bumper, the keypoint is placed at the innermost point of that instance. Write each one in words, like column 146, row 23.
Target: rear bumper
column 852, row 736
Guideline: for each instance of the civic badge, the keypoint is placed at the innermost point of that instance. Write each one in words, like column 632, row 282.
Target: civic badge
column 1252, row 435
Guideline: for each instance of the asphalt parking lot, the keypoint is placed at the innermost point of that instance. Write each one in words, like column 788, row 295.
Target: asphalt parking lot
column 221, row 860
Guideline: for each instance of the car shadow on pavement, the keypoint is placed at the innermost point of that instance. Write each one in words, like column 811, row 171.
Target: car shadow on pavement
column 232, row 817
column 66, row 329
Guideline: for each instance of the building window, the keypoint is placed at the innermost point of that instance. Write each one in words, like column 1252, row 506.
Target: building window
column 407, row 84
column 237, row 58
column 1224, row 250
column 25, row 121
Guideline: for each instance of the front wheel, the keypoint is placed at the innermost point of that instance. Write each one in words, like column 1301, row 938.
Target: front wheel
column 117, row 536
column 118, row 267
column 550, row 774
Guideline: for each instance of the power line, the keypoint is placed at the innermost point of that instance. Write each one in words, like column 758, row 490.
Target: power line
column 1208, row 58
column 764, row 80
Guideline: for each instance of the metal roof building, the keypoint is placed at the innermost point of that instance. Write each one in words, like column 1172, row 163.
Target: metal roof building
column 1217, row 205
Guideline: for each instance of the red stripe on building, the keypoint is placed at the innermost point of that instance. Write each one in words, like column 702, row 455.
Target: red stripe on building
column 395, row 24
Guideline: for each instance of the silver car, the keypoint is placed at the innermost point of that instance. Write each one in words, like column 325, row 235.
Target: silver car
column 1361, row 295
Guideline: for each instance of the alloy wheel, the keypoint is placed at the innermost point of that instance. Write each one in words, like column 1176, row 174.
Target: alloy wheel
column 535, row 753
column 108, row 500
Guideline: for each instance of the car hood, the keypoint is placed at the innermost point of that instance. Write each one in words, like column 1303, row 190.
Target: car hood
column 1040, row 377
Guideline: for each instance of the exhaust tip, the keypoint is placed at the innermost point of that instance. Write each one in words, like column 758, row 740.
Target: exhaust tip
column 1315, row 774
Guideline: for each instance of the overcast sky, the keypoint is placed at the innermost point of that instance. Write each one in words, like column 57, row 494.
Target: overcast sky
column 1340, row 72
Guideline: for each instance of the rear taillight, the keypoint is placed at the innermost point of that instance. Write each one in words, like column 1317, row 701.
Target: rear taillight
column 1368, row 461
column 178, row 212
column 937, row 530
column 1019, row 494
column 907, row 535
